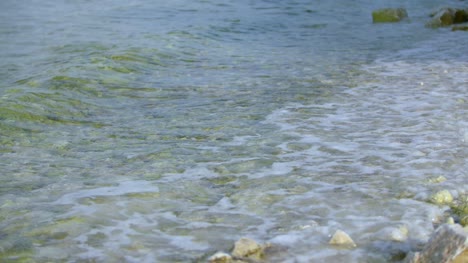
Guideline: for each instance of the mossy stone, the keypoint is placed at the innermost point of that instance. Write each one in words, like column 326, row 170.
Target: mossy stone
column 389, row 15
column 443, row 197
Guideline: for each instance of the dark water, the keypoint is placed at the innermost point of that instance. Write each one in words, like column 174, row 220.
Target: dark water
column 163, row 131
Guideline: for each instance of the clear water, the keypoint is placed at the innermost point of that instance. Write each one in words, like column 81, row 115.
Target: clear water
column 163, row 131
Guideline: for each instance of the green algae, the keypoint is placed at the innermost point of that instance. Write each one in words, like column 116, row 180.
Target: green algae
column 117, row 69
column 11, row 134
column 56, row 230
column 96, row 240
column 221, row 180
column 248, row 165
column 143, row 195
column 80, row 85
column 460, row 208
column 20, row 114
column 15, row 248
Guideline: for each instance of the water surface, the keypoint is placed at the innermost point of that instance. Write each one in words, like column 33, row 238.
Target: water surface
column 156, row 131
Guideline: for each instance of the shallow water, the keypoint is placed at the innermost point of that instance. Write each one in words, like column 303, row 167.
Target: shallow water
column 134, row 131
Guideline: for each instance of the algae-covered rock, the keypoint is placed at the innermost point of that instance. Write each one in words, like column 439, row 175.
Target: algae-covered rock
column 448, row 16
column 443, row 197
column 341, row 238
column 389, row 15
column 460, row 16
column 460, row 209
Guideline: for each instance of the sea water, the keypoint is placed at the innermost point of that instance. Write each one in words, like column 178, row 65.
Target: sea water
column 164, row 131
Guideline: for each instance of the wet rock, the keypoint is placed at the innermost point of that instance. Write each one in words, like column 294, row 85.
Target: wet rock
column 387, row 15
column 460, row 16
column 443, row 197
column 248, row 248
column 450, row 220
column 341, row 238
column 448, row 244
column 220, row 257
column 447, row 17
column 459, row 209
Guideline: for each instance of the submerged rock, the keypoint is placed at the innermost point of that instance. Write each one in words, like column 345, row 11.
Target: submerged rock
column 448, row 244
column 436, row 180
column 393, row 233
column 340, row 238
column 387, row 15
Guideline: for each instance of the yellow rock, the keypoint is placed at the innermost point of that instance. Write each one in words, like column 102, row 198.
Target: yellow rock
column 443, row 197
column 246, row 247
column 342, row 239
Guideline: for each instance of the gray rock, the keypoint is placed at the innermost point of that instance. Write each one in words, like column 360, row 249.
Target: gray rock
column 387, row 15
column 448, row 244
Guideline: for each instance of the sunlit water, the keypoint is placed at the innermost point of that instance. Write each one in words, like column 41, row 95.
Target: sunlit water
column 163, row 131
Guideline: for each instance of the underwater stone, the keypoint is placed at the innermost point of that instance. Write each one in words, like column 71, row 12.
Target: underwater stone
column 448, row 244
column 397, row 234
column 388, row 15
column 341, row 238
column 443, row 197
column 439, row 179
